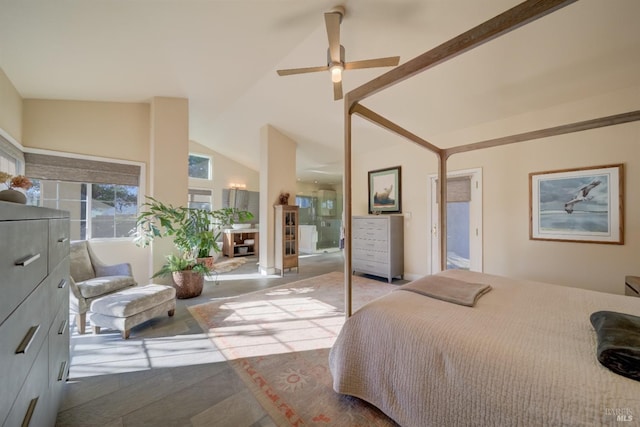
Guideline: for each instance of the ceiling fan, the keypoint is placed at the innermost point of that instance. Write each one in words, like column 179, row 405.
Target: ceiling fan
column 335, row 55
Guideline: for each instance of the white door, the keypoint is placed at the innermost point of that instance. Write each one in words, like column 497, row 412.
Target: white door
column 464, row 221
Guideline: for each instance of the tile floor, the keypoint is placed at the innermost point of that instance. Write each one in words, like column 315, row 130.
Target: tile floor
column 169, row 373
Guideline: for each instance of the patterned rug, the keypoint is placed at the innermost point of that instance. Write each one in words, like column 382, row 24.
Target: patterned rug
column 278, row 341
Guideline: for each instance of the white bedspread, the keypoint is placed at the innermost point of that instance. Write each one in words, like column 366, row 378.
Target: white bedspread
column 525, row 355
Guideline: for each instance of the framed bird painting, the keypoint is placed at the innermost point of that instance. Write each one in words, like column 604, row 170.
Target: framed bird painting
column 577, row 205
column 385, row 186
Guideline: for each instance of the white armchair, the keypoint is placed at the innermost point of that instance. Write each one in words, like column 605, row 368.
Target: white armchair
column 92, row 279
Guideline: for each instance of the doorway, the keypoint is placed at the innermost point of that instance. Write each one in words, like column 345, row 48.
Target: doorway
column 464, row 221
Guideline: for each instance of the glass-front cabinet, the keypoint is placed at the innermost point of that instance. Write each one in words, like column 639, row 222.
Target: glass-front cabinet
column 286, row 229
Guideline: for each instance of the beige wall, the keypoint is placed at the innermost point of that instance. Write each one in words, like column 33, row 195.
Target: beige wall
column 278, row 175
column 168, row 163
column 106, row 129
column 10, row 108
column 225, row 172
column 507, row 248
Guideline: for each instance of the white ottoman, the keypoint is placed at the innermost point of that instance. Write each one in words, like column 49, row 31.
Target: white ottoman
column 130, row 307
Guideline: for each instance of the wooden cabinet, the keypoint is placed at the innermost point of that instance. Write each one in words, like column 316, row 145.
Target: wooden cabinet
column 240, row 242
column 34, row 313
column 287, row 236
column 378, row 245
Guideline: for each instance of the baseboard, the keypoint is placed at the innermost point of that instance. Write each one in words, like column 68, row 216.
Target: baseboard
column 266, row 271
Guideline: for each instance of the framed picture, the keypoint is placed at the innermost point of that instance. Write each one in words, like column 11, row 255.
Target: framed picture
column 385, row 188
column 577, row 205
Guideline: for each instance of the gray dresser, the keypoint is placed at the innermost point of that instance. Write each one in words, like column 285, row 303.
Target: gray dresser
column 34, row 313
column 378, row 245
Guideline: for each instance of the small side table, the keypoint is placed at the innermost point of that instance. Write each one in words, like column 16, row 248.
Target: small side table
column 632, row 286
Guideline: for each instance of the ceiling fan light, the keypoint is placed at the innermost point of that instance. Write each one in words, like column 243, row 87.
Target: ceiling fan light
column 336, row 73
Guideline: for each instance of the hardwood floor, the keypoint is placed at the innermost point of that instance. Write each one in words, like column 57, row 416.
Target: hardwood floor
column 169, row 373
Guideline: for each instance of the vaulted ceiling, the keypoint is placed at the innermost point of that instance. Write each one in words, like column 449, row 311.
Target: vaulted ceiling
column 223, row 55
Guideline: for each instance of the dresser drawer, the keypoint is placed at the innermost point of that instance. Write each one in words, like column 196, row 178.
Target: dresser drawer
column 58, row 241
column 58, row 284
column 59, row 348
column 372, row 267
column 32, row 406
column 369, row 245
column 25, row 263
column 369, row 223
column 371, row 256
column 370, row 234
column 21, row 335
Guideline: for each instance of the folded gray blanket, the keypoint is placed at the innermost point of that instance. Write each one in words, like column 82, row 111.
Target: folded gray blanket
column 618, row 342
column 447, row 289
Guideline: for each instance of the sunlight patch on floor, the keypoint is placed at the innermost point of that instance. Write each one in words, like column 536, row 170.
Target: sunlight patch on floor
column 245, row 276
column 275, row 326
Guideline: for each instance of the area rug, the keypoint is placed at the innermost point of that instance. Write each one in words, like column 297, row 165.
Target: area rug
column 278, row 342
column 224, row 265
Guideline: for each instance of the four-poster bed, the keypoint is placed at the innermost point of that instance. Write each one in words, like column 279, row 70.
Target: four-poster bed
column 508, row 362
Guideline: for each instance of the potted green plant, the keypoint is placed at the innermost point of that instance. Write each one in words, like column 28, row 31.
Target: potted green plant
column 195, row 234
column 192, row 235
column 209, row 226
column 187, row 274
column 227, row 217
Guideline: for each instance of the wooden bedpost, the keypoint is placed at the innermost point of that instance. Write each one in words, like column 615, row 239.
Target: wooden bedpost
column 346, row 209
column 442, row 209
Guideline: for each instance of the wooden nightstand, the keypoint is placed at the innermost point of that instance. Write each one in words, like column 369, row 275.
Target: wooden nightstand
column 632, row 286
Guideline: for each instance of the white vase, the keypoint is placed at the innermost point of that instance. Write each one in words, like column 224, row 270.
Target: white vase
column 13, row 196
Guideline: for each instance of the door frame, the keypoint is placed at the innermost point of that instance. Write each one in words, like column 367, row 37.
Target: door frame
column 475, row 219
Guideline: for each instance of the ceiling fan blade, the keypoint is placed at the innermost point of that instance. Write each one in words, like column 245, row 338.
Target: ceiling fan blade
column 390, row 61
column 337, row 90
column 291, row 71
column 332, row 20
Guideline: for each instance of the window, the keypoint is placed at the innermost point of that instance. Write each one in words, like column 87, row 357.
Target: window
column 114, row 209
column 303, row 201
column 11, row 158
column 101, row 196
column 8, row 164
column 199, row 166
column 97, row 211
column 200, row 199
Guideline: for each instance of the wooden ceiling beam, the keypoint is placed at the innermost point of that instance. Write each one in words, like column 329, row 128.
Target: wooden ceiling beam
column 376, row 118
column 548, row 132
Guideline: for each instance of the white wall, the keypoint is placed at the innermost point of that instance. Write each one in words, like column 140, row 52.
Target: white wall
column 507, row 248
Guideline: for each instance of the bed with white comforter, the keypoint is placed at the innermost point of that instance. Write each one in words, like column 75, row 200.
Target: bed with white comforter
column 525, row 355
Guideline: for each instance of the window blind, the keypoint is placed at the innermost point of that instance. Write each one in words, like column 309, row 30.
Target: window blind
column 199, row 192
column 458, row 189
column 58, row 168
column 11, row 152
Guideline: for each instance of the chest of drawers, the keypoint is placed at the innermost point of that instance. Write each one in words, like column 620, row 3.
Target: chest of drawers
column 34, row 313
column 378, row 245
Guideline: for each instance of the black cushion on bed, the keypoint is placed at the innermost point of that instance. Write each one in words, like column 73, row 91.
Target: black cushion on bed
column 618, row 342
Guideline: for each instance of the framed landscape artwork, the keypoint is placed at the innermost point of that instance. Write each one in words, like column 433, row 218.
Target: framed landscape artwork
column 577, row 205
column 385, row 188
